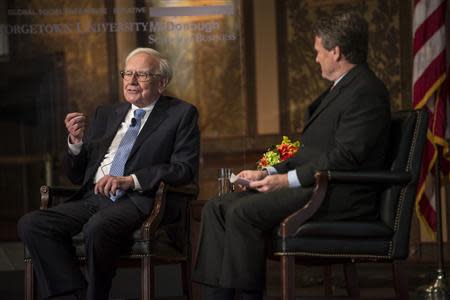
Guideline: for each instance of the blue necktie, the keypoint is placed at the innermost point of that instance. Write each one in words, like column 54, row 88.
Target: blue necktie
column 123, row 151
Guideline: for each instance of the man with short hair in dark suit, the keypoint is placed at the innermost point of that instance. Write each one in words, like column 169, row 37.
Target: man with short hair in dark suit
column 119, row 161
column 347, row 129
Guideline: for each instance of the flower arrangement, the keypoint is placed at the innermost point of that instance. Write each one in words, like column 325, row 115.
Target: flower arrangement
column 278, row 153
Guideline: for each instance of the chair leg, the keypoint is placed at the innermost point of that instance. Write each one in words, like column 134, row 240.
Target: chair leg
column 147, row 279
column 29, row 280
column 287, row 277
column 400, row 282
column 327, row 280
column 351, row 280
column 186, row 279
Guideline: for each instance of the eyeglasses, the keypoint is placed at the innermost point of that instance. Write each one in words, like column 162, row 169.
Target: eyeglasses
column 140, row 75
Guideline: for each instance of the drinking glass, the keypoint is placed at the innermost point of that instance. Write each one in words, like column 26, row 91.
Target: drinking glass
column 224, row 185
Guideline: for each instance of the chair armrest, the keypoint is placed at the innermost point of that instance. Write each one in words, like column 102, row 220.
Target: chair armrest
column 290, row 225
column 187, row 189
column 382, row 177
column 157, row 213
column 52, row 194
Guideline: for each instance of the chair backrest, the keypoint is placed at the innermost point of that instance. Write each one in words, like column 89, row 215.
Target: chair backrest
column 407, row 139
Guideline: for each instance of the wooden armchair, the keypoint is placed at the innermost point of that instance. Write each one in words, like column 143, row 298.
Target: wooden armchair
column 299, row 239
column 154, row 243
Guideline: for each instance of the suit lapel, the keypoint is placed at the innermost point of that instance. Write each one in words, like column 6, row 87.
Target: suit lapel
column 326, row 100
column 157, row 115
column 315, row 104
column 329, row 96
column 114, row 121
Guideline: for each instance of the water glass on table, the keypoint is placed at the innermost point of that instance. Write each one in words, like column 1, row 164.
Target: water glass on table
column 224, row 185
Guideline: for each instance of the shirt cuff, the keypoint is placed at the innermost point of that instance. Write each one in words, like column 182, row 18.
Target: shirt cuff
column 270, row 170
column 137, row 186
column 74, row 149
column 293, row 179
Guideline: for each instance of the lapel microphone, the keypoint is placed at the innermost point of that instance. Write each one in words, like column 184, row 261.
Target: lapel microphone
column 133, row 122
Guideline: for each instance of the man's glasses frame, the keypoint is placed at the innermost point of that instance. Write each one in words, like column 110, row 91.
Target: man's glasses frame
column 141, row 76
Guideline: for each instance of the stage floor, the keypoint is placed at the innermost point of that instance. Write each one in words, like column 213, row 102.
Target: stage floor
column 375, row 280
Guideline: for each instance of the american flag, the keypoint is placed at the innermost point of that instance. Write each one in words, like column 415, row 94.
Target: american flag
column 430, row 86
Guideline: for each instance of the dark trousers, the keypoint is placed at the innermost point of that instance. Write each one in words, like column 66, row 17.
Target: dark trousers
column 107, row 227
column 231, row 251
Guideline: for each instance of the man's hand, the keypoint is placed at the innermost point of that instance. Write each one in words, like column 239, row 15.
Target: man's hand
column 270, row 183
column 110, row 184
column 252, row 175
column 75, row 124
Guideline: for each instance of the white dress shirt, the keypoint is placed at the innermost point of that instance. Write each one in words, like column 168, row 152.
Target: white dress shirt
column 105, row 165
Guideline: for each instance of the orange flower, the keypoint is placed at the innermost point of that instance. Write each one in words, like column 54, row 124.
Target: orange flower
column 279, row 153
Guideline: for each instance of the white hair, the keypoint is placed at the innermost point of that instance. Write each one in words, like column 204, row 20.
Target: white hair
column 164, row 67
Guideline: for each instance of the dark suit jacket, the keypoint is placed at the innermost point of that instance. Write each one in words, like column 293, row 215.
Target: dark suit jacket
column 167, row 148
column 347, row 129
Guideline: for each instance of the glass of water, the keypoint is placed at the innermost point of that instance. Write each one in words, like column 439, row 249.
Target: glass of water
column 224, row 185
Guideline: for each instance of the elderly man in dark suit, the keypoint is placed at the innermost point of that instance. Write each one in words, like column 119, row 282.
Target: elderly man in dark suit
column 346, row 130
column 118, row 161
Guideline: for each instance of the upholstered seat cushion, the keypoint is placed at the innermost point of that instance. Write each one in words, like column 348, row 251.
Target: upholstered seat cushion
column 139, row 246
column 338, row 238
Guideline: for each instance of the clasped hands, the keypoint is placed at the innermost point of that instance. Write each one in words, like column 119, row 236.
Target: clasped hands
column 108, row 185
column 262, row 182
